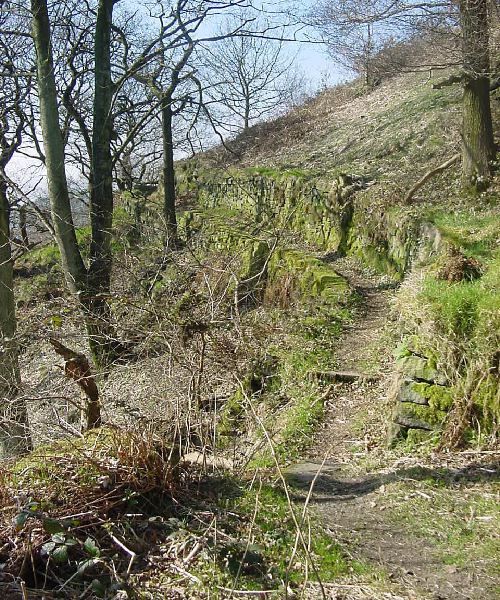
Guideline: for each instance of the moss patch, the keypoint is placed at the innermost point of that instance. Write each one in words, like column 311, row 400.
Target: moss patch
column 419, row 417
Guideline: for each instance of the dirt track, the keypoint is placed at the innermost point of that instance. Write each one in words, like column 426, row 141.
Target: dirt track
column 360, row 482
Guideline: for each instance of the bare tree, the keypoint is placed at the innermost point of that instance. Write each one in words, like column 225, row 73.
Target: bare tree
column 165, row 66
column 92, row 284
column 137, row 149
column 15, row 80
column 250, row 77
column 356, row 32
column 92, row 43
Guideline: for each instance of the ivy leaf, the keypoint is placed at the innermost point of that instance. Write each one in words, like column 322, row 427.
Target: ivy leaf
column 84, row 565
column 48, row 547
column 70, row 542
column 60, row 554
column 52, row 526
column 20, row 520
column 58, row 538
column 91, row 547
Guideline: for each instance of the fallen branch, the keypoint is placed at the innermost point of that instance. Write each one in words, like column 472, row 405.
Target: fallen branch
column 431, row 174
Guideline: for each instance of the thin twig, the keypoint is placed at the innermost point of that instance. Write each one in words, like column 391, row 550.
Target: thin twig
column 285, row 489
column 131, row 553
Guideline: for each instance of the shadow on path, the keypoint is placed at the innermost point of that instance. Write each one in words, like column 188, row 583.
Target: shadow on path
column 329, row 486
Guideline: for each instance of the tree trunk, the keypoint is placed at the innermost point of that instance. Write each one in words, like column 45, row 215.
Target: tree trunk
column 14, row 428
column 168, row 172
column 478, row 147
column 125, row 180
column 77, row 367
column 92, row 286
column 246, row 116
column 102, row 336
column 368, row 51
column 73, row 267
column 23, row 227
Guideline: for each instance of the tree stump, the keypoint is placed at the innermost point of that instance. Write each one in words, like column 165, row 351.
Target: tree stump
column 77, row 367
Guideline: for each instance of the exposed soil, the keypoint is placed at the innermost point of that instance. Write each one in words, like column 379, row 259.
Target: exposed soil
column 354, row 492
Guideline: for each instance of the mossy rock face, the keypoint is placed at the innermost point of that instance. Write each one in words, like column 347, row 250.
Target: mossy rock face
column 326, row 213
column 436, row 396
column 419, row 404
column 417, row 416
column 386, row 239
column 439, row 398
column 420, row 369
column 407, row 393
column 313, row 278
column 319, row 210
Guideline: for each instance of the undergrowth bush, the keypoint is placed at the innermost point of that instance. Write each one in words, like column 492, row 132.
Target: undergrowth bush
column 454, row 306
column 67, row 504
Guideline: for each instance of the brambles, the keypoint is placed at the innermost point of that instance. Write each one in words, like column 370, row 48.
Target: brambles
column 459, row 267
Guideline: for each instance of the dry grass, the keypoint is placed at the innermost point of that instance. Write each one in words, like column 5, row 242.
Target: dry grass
column 385, row 132
column 65, row 507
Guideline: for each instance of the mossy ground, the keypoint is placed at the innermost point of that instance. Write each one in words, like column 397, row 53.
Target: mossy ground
column 462, row 529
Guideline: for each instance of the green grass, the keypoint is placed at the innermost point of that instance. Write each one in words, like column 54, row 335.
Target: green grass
column 455, row 306
column 275, row 532
column 293, row 407
column 456, row 324
column 476, row 234
column 281, row 172
column 460, row 521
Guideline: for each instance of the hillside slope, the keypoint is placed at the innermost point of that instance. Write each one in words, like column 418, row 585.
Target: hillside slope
column 396, row 129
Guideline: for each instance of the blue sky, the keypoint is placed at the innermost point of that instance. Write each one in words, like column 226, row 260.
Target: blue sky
column 312, row 58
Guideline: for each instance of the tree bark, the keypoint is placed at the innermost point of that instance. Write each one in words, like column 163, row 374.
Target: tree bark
column 14, row 428
column 23, row 227
column 92, row 286
column 478, row 147
column 168, row 172
column 246, row 118
column 102, row 337
column 101, row 188
column 77, row 367
column 73, row 266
